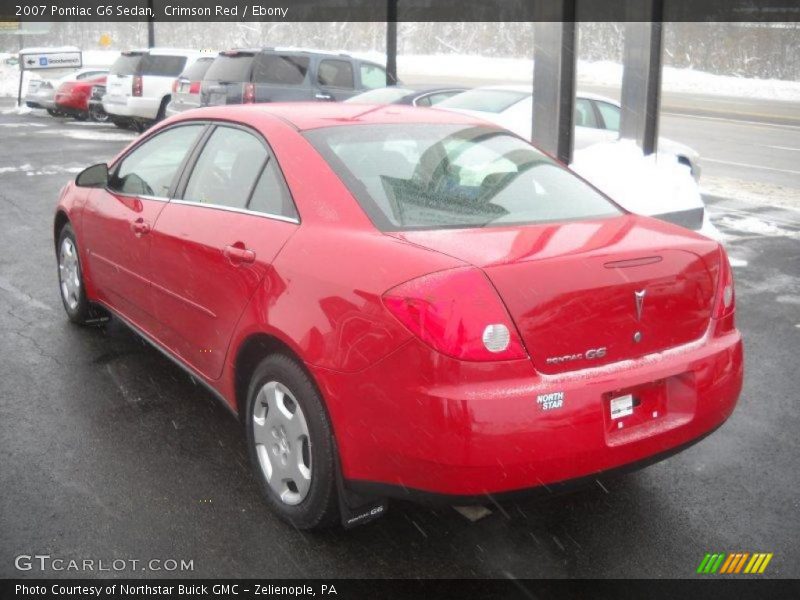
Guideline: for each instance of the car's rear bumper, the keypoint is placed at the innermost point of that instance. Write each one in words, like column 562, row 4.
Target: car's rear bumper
column 132, row 107
column 424, row 422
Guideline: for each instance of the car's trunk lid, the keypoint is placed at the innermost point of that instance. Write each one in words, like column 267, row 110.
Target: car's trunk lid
column 588, row 293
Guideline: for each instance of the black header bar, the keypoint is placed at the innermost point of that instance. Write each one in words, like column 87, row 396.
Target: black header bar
column 377, row 10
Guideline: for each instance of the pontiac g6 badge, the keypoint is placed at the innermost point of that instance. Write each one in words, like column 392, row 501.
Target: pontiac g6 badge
column 590, row 354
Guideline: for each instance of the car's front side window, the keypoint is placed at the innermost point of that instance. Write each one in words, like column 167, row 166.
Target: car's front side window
column 610, row 114
column 151, row 167
column 226, row 169
column 584, row 114
column 335, row 73
column 372, row 76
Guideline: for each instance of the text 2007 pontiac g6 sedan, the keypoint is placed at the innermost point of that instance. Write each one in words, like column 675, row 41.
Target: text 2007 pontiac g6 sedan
column 403, row 301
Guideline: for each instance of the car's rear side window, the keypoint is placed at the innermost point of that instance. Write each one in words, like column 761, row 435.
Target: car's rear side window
column 233, row 68
column 162, row 66
column 226, row 169
column 437, row 176
column 196, row 70
column 149, row 169
column 280, row 69
column 335, row 73
column 126, row 64
column 271, row 196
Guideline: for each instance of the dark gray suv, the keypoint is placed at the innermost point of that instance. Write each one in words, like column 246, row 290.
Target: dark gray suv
column 272, row 75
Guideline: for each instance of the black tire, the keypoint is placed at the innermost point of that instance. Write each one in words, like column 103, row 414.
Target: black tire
column 80, row 116
column 53, row 113
column 81, row 312
column 162, row 110
column 319, row 508
column 97, row 114
column 121, row 124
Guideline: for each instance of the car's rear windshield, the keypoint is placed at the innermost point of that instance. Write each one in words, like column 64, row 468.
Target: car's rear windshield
column 197, row 70
column 162, row 65
column 386, row 95
column 233, row 68
column 493, row 101
column 126, row 64
column 148, row 64
column 439, row 176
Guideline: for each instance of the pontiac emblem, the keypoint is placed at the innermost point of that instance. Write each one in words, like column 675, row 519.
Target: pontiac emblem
column 639, row 295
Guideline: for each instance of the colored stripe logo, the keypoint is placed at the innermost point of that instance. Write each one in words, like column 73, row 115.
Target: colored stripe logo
column 734, row 563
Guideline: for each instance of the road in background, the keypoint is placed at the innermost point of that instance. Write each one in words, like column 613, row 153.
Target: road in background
column 111, row 451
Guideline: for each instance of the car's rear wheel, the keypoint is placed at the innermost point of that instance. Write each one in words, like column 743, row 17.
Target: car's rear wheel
column 122, row 124
column 290, row 443
column 53, row 113
column 71, row 283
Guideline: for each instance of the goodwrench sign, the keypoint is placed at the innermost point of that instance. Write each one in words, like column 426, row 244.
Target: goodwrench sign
column 35, row 61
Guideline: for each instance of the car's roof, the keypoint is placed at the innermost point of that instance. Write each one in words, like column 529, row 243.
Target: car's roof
column 528, row 89
column 314, row 115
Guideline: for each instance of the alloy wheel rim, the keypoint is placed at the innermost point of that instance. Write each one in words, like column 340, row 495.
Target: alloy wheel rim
column 69, row 273
column 282, row 442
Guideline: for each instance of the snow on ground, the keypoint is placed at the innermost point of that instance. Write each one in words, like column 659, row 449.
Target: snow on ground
column 751, row 191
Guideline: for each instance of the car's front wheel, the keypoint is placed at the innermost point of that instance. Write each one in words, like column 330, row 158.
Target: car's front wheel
column 71, row 282
column 290, row 443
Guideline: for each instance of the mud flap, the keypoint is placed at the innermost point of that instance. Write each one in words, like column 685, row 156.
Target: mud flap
column 356, row 509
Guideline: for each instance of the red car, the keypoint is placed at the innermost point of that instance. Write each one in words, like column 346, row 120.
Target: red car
column 403, row 302
column 72, row 97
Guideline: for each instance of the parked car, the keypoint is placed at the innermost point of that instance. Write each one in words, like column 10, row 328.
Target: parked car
column 96, row 111
column 41, row 92
column 139, row 85
column 597, row 122
column 427, row 95
column 186, row 88
column 72, row 97
column 597, row 118
column 492, row 324
column 275, row 75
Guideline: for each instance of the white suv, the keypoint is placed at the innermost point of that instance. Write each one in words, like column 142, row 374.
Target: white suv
column 139, row 84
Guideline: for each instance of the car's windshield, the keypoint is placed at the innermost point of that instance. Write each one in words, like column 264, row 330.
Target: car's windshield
column 437, row 176
column 493, row 101
column 385, row 95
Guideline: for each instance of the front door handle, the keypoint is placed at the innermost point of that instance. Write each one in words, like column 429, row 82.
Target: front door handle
column 237, row 254
column 323, row 96
column 140, row 227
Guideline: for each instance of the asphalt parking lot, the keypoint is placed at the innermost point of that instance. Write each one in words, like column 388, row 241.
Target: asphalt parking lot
column 109, row 451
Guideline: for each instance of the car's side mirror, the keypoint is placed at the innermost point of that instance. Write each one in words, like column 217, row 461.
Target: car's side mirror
column 95, row 176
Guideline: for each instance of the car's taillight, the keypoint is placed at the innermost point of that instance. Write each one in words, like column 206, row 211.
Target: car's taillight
column 175, row 85
column 194, row 87
column 459, row 313
column 249, row 94
column 725, row 302
column 136, row 86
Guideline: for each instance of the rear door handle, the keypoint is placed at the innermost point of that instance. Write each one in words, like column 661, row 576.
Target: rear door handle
column 323, row 96
column 140, row 227
column 237, row 254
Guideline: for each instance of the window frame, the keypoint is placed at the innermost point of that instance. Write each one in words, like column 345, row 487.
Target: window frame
column 114, row 169
column 188, row 168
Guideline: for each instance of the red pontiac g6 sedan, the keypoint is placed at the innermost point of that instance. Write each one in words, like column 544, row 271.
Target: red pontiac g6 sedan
column 402, row 301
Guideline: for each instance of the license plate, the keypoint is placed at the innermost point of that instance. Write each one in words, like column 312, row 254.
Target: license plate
column 184, row 87
column 622, row 406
